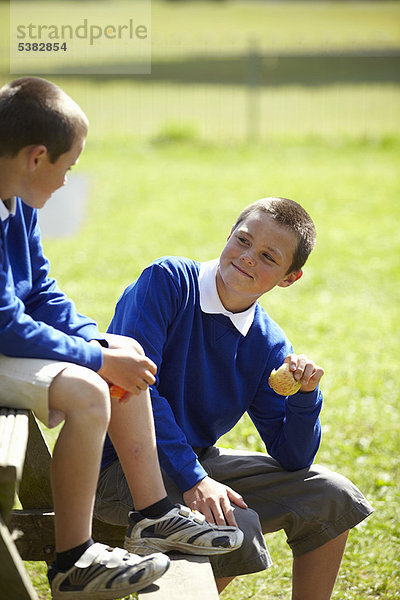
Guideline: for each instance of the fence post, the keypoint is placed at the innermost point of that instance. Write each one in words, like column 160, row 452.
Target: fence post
column 253, row 80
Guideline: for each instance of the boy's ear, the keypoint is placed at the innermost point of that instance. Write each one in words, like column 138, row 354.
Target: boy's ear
column 34, row 155
column 291, row 278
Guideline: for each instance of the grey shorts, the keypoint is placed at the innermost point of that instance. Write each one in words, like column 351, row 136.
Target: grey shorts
column 312, row 505
column 25, row 382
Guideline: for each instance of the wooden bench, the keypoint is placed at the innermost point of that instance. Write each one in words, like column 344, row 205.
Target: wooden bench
column 21, row 438
column 14, row 581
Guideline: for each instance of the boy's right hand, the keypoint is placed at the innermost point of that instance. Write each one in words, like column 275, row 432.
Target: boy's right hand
column 214, row 500
column 127, row 366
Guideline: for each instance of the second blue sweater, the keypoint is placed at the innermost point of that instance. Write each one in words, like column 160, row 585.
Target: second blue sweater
column 209, row 374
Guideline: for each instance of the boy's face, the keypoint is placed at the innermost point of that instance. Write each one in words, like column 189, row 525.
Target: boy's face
column 46, row 177
column 256, row 258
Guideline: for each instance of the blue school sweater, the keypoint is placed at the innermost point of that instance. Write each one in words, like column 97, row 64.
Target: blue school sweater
column 209, row 374
column 36, row 319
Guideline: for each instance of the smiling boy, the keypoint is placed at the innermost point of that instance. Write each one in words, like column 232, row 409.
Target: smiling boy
column 215, row 347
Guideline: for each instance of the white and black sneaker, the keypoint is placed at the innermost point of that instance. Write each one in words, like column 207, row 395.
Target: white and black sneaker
column 104, row 573
column 182, row 530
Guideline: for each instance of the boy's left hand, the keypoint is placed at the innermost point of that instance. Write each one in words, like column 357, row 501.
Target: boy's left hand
column 305, row 371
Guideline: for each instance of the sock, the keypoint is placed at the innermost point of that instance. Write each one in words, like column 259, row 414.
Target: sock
column 66, row 560
column 158, row 509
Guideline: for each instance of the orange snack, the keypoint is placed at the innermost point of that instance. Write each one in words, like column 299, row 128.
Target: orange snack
column 118, row 393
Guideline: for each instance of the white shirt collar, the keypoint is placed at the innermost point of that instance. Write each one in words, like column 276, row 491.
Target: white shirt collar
column 210, row 301
column 6, row 212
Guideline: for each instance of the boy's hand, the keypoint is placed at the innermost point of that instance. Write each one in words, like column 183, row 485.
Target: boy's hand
column 305, row 371
column 213, row 499
column 126, row 365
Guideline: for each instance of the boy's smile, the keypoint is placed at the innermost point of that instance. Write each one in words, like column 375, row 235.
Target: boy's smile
column 256, row 258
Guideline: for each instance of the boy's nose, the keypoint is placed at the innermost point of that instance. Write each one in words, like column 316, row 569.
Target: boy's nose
column 248, row 258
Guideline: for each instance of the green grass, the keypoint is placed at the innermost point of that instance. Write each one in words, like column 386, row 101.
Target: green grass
column 158, row 198
column 230, row 27
column 276, row 26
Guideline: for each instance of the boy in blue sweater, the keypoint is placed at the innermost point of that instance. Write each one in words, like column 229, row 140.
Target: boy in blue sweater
column 56, row 362
column 215, row 348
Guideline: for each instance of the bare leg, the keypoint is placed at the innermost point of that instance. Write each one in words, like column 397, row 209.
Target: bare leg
column 84, row 398
column 222, row 582
column 132, row 432
column 314, row 573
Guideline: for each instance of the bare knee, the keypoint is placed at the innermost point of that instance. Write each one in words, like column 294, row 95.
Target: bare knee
column 81, row 394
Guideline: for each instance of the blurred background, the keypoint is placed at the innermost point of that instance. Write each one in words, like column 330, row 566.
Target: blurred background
column 247, row 70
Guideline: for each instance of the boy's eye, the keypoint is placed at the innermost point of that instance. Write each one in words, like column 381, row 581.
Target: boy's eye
column 242, row 240
column 268, row 257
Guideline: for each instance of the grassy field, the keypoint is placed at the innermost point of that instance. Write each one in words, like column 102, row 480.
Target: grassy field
column 172, row 161
column 152, row 199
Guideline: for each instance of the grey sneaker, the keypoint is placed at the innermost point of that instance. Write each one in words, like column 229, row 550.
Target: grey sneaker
column 104, row 573
column 182, row 530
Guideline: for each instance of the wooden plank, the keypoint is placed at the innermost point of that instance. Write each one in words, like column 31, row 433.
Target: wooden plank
column 38, row 542
column 35, row 487
column 7, row 496
column 14, row 581
column 188, row 578
column 37, row 528
column 13, row 441
column 113, row 535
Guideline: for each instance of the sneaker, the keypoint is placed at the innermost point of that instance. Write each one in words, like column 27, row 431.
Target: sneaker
column 180, row 529
column 104, row 573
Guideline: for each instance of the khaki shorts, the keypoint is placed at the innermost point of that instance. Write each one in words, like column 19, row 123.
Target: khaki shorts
column 312, row 505
column 25, row 382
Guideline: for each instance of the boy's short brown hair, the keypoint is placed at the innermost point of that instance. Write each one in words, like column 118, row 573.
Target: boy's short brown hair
column 36, row 111
column 292, row 216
